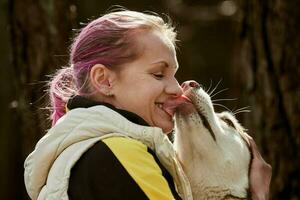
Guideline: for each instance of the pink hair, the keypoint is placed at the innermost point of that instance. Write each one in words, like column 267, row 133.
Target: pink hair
column 107, row 40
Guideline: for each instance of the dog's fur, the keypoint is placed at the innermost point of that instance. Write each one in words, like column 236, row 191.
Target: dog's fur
column 212, row 149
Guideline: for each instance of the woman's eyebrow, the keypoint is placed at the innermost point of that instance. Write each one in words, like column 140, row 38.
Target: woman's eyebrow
column 163, row 63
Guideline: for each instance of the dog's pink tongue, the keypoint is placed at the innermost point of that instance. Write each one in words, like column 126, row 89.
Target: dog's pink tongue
column 171, row 105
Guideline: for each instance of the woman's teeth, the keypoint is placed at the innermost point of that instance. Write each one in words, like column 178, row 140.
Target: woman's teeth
column 160, row 105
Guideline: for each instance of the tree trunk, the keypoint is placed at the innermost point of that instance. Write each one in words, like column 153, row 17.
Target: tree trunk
column 270, row 59
column 40, row 31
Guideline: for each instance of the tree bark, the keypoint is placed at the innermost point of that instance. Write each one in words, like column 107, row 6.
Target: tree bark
column 269, row 75
column 40, row 31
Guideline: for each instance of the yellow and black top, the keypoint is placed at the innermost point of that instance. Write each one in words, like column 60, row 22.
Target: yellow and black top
column 119, row 168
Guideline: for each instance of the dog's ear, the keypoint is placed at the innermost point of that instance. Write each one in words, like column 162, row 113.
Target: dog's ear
column 260, row 174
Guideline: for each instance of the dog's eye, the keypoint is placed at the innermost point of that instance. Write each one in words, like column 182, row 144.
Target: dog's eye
column 228, row 122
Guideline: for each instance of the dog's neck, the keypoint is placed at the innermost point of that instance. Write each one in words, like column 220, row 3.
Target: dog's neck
column 213, row 171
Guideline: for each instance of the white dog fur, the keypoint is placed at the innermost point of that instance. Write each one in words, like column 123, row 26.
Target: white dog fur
column 212, row 149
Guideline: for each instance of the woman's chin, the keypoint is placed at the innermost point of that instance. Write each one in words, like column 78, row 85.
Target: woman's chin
column 165, row 123
column 167, row 127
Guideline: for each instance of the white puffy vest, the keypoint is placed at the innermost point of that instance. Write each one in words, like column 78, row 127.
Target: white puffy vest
column 48, row 167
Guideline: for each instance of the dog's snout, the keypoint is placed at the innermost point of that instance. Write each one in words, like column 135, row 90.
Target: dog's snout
column 190, row 84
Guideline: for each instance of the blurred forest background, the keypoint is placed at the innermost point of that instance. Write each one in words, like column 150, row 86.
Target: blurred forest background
column 252, row 46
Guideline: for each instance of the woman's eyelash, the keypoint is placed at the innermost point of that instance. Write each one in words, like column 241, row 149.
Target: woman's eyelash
column 158, row 76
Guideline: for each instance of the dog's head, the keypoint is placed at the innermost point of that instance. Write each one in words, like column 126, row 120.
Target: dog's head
column 212, row 147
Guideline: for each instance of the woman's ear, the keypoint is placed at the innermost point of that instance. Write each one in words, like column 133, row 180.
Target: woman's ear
column 100, row 78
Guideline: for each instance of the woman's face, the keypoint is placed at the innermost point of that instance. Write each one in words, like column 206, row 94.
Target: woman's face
column 144, row 85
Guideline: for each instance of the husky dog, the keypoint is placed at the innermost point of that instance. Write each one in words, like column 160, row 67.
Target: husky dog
column 212, row 148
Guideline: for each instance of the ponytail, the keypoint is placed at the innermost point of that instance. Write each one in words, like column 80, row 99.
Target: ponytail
column 62, row 87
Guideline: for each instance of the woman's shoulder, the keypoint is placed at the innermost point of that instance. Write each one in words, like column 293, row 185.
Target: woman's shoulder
column 128, row 150
column 123, row 166
column 118, row 154
column 98, row 174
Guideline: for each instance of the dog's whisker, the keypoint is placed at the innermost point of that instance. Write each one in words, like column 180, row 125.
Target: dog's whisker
column 215, row 87
column 241, row 110
column 243, row 107
column 210, row 84
column 219, row 92
column 217, row 104
column 216, row 100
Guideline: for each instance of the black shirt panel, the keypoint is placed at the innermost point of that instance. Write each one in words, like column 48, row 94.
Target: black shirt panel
column 98, row 175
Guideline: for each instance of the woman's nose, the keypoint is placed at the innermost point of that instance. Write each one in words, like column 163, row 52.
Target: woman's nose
column 190, row 84
column 174, row 89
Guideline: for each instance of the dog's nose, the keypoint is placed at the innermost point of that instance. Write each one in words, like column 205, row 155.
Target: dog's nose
column 190, row 84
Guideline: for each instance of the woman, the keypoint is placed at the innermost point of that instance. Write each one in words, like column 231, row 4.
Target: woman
column 111, row 116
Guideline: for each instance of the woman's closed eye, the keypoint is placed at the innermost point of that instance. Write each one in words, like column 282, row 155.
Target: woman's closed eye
column 158, row 75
